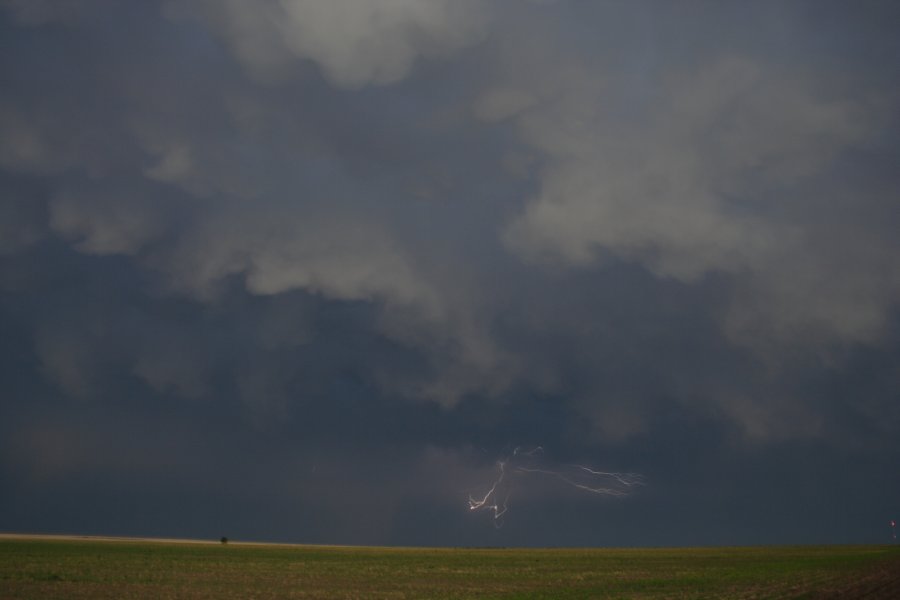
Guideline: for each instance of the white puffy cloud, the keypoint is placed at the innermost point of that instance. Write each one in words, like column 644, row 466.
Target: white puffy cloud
column 106, row 221
column 354, row 42
column 700, row 182
column 501, row 103
column 280, row 249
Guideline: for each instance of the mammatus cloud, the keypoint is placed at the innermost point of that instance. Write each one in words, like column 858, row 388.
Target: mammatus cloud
column 354, row 42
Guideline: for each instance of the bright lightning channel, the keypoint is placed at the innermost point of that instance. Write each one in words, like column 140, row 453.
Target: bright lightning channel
column 526, row 463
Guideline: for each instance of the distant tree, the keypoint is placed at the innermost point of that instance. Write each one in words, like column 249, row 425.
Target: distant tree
column 224, row 540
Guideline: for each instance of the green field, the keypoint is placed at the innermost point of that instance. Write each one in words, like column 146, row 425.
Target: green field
column 81, row 568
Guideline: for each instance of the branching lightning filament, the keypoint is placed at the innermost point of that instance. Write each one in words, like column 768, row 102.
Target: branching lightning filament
column 532, row 463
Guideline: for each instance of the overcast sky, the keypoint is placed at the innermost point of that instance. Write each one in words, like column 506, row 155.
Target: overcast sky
column 305, row 271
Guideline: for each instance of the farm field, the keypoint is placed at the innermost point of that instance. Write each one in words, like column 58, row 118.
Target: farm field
column 35, row 567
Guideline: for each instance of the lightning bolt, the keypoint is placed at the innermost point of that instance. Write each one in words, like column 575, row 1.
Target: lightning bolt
column 489, row 500
column 525, row 463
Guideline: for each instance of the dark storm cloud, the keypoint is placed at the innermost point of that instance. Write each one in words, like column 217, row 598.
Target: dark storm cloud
column 306, row 270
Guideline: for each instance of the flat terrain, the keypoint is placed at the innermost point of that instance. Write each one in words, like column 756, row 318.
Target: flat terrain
column 34, row 567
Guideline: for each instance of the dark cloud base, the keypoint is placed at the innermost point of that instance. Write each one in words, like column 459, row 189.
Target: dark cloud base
column 262, row 283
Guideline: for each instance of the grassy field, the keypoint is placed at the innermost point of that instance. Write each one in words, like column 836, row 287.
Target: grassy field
column 55, row 568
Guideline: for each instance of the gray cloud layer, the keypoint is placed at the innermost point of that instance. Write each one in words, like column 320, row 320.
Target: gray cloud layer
column 423, row 232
